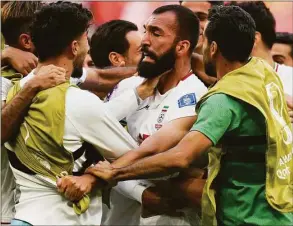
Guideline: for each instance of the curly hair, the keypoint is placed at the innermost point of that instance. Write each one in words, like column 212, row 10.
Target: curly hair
column 56, row 25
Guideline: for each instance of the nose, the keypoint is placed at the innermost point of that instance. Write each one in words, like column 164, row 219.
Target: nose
column 145, row 40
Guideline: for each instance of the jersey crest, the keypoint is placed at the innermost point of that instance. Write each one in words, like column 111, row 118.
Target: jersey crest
column 187, row 100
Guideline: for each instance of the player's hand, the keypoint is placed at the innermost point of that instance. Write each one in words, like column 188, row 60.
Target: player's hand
column 148, row 87
column 22, row 61
column 75, row 187
column 103, row 170
column 158, row 202
column 47, row 77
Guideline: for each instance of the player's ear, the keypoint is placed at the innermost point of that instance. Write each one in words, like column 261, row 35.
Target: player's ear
column 25, row 42
column 116, row 59
column 74, row 47
column 182, row 47
column 213, row 49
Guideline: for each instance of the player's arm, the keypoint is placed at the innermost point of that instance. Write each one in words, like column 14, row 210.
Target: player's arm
column 189, row 149
column 22, row 61
column 128, row 101
column 103, row 81
column 164, row 139
column 214, row 119
column 13, row 112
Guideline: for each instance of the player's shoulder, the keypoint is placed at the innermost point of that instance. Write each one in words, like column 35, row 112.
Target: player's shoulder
column 131, row 82
column 224, row 101
column 82, row 104
column 80, row 96
column 191, row 84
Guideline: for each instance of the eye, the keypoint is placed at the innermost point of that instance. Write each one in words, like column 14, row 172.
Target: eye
column 156, row 34
column 278, row 59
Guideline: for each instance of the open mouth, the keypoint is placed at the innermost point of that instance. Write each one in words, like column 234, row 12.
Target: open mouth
column 147, row 57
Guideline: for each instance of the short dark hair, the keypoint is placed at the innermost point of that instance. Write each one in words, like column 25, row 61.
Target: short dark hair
column 56, row 25
column 16, row 18
column 285, row 38
column 233, row 30
column 187, row 25
column 213, row 3
column 216, row 3
column 110, row 37
column 264, row 20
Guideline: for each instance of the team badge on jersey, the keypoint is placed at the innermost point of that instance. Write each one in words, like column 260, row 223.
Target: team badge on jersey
column 187, row 100
column 158, row 126
column 162, row 114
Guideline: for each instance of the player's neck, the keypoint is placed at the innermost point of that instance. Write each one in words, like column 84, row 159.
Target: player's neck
column 265, row 54
column 60, row 61
column 171, row 79
column 224, row 67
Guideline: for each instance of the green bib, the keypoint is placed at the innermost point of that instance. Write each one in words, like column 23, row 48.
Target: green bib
column 39, row 143
column 257, row 84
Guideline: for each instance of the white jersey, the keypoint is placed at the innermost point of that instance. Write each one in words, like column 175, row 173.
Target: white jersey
column 157, row 110
column 150, row 116
column 125, row 198
column 7, row 180
column 286, row 75
column 88, row 119
column 124, row 85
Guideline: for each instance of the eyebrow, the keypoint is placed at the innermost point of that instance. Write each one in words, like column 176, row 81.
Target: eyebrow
column 278, row 55
column 153, row 28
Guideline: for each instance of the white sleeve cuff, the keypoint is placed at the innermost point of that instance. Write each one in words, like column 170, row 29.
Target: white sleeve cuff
column 79, row 81
column 132, row 189
column 83, row 76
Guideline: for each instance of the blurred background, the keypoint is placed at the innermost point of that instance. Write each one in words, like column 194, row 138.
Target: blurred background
column 138, row 12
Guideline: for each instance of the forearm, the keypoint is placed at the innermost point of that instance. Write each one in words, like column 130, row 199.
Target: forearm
column 13, row 113
column 104, row 80
column 189, row 149
column 152, row 167
column 190, row 188
column 170, row 133
column 144, row 150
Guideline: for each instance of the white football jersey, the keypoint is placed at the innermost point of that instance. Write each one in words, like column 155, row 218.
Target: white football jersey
column 159, row 109
column 124, row 85
column 286, row 76
column 153, row 113
column 88, row 119
column 7, row 179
